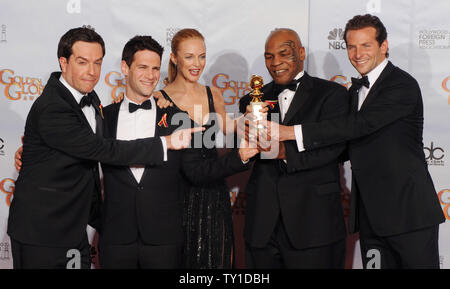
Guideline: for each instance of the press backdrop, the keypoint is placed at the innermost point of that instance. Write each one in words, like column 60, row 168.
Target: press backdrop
column 235, row 33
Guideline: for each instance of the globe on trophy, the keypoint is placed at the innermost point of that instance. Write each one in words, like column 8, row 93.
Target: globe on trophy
column 256, row 83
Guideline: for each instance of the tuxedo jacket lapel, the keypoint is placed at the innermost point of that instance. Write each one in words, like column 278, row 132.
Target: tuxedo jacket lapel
column 159, row 130
column 353, row 92
column 377, row 85
column 112, row 121
column 301, row 96
column 98, row 114
column 69, row 98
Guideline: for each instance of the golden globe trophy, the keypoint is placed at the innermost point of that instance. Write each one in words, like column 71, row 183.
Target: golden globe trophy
column 256, row 83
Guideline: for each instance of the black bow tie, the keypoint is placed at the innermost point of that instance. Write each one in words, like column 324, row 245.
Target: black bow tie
column 86, row 100
column 132, row 107
column 358, row 82
column 291, row 86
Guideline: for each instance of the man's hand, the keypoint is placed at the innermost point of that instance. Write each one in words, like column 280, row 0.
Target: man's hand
column 278, row 132
column 181, row 138
column 161, row 101
column 247, row 151
column 18, row 158
column 250, row 129
column 281, row 151
column 246, row 125
column 264, row 109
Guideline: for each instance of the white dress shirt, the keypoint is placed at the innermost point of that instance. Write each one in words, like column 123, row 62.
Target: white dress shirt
column 362, row 94
column 372, row 76
column 285, row 97
column 136, row 125
column 88, row 111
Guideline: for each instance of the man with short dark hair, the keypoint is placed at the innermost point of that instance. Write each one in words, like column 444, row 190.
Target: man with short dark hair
column 294, row 217
column 57, row 192
column 141, row 216
column 393, row 202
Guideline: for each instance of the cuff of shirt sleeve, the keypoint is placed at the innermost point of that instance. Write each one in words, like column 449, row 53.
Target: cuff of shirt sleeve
column 164, row 144
column 299, row 137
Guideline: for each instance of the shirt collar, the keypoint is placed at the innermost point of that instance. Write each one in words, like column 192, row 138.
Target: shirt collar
column 76, row 94
column 375, row 73
column 300, row 75
column 126, row 101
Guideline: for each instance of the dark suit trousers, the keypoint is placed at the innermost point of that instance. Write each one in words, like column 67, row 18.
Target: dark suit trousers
column 27, row 256
column 280, row 254
column 412, row 250
column 138, row 255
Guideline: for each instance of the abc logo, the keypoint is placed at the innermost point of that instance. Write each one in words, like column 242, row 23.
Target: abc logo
column 433, row 153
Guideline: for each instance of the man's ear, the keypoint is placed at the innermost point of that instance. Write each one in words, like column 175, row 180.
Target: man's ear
column 302, row 53
column 63, row 63
column 124, row 67
column 384, row 46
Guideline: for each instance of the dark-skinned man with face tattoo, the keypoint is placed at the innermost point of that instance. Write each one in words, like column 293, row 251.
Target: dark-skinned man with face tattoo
column 294, row 216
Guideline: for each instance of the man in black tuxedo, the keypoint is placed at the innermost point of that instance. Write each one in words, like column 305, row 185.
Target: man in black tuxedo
column 294, row 216
column 57, row 192
column 142, row 208
column 393, row 203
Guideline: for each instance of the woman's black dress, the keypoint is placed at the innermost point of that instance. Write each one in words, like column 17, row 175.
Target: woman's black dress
column 207, row 210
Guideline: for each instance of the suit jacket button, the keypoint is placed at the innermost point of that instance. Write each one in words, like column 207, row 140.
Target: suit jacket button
column 140, row 187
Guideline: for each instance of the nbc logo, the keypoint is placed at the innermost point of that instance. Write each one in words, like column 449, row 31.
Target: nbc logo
column 336, row 39
column 335, row 33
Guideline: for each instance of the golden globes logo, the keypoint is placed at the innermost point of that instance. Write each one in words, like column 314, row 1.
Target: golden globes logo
column 444, row 199
column 7, row 187
column 446, row 87
column 19, row 87
column 231, row 90
column 118, row 83
column 342, row 80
